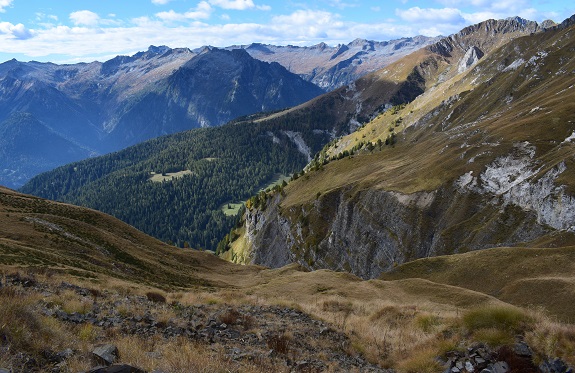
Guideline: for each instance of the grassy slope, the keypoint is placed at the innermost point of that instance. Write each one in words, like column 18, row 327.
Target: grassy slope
column 389, row 322
column 87, row 243
column 527, row 277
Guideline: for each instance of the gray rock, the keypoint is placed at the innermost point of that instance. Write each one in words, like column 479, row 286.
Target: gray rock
column 106, row 354
column 522, row 349
column 471, row 57
column 555, row 366
column 469, row 367
column 4, row 370
column 66, row 354
column 479, row 360
column 500, row 367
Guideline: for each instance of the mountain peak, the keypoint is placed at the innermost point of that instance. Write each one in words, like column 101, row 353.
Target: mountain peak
column 158, row 50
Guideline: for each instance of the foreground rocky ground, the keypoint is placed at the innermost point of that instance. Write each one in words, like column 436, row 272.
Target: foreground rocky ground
column 247, row 337
column 56, row 326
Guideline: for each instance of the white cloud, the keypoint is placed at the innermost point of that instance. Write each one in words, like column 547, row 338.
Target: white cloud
column 475, row 11
column 304, row 27
column 85, row 18
column 417, row 14
column 5, row 4
column 160, row 2
column 342, row 4
column 202, row 11
column 233, row 4
column 18, row 31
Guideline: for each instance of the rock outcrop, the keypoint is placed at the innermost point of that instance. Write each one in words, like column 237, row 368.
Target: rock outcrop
column 471, row 57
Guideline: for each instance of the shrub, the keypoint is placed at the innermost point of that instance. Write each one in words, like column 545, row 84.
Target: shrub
column 155, row 297
column 279, row 343
column 494, row 337
column 426, row 322
column 230, row 317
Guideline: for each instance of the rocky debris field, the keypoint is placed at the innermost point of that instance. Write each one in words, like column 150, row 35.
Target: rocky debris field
column 245, row 337
column 278, row 336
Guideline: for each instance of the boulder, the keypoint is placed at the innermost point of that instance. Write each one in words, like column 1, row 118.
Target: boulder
column 106, row 354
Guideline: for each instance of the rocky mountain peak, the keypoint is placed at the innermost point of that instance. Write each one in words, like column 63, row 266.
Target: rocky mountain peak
column 485, row 36
column 548, row 23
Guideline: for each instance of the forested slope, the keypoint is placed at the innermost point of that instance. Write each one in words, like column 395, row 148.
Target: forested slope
column 213, row 166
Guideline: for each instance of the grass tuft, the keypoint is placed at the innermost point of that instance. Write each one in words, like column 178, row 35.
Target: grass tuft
column 496, row 317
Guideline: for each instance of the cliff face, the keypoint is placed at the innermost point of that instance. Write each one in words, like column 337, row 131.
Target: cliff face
column 371, row 231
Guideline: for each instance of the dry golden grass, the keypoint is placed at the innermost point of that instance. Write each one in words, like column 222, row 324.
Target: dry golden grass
column 527, row 277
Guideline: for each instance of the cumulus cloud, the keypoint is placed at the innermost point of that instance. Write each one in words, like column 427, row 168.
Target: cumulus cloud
column 343, row 4
column 417, row 14
column 233, row 4
column 84, row 18
column 160, row 2
column 18, row 31
column 5, row 4
column 202, row 11
column 480, row 10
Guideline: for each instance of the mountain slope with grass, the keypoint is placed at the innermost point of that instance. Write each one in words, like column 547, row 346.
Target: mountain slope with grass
column 75, row 281
column 188, row 210
column 482, row 159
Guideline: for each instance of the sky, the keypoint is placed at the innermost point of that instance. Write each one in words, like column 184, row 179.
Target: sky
column 70, row 31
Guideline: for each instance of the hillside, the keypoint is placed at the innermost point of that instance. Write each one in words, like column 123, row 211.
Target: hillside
column 24, row 140
column 212, row 168
column 75, row 281
column 480, row 160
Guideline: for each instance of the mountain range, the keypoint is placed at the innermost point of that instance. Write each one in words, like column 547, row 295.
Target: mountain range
column 95, row 108
column 333, row 67
column 304, row 130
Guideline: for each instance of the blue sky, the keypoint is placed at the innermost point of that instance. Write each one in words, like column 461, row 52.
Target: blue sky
column 66, row 31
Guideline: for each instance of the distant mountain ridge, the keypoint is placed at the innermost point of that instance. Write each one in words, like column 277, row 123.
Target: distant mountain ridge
column 107, row 106
column 333, row 67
